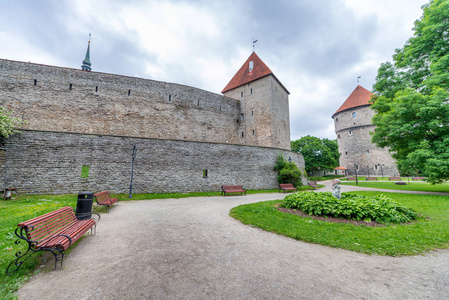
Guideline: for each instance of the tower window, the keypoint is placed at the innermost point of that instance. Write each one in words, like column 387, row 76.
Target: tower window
column 198, row 102
column 251, row 66
column 129, row 92
column 350, row 132
column 346, row 153
column 338, row 136
column 241, row 94
column 336, row 120
column 169, row 98
column 252, row 113
column 70, row 87
column 96, row 89
column 367, row 151
column 354, row 114
column 242, row 116
column 243, row 134
column 205, row 173
column 251, row 91
column 253, row 132
column 35, row 82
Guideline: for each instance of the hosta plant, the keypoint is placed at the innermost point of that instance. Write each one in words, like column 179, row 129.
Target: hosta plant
column 351, row 206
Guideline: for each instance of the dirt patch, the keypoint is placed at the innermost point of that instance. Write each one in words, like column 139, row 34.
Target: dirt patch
column 328, row 219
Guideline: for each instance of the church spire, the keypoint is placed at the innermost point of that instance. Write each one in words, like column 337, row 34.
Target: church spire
column 86, row 62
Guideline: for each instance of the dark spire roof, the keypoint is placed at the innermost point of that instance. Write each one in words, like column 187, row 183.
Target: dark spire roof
column 359, row 97
column 86, row 62
column 254, row 68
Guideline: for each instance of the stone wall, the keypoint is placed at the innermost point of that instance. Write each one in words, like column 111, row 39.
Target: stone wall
column 70, row 100
column 355, row 146
column 51, row 162
column 266, row 113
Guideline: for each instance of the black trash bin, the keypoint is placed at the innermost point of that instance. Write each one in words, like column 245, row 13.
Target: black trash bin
column 84, row 205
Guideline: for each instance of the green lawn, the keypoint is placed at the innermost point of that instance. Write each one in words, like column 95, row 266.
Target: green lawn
column 430, row 232
column 411, row 186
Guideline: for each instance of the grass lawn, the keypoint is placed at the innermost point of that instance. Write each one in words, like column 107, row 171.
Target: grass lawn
column 25, row 207
column 413, row 186
column 429, row 232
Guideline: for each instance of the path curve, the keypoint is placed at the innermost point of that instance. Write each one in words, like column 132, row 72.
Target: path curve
column 192, row 249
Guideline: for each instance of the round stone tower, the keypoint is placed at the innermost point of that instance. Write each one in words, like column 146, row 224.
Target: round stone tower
column 353, row 126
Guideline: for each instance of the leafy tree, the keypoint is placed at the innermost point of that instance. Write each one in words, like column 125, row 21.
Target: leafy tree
column 318, row 153
column 8, row 123
column 412, row 102
column 288, row 172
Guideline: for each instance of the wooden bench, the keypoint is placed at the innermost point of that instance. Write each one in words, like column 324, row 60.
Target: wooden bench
column 232, row 189
column 105, row 199
column 52, row 232
column 313, row 184
column 395, row 178
column 287, row 187
column 371, row 178
column 350, row 178
column 418, row 178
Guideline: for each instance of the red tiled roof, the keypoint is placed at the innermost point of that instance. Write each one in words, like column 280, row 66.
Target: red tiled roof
column 359, row 97
column 340, row 168
column 243, row 76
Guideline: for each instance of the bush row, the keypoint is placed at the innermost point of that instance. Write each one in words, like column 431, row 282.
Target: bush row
column 351, row 206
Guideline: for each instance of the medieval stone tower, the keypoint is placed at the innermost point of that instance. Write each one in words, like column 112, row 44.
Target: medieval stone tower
column 353, row 125
column 264, row 120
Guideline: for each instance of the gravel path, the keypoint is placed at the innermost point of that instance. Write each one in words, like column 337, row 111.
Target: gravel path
column 192, row 249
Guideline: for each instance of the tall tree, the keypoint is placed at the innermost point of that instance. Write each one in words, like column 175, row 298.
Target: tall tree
column 412, row 102
column 8, row 123
column 318, row 153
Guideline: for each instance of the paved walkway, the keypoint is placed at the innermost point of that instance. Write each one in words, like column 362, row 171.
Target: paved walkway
column 349, row 188
column 192, row 249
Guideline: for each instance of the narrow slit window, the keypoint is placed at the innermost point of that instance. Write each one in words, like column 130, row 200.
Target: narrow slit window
column 129, row 92
column 35, row 82
column 251, row 91
column 252, row 113
column 253, row 132
column 96, row 89
column 70, row 87
column 242, row 116
column 242, row 134
column 241, row 94
column 354, row 114
column 169, row 98
column 198, row 102
column 205, row 173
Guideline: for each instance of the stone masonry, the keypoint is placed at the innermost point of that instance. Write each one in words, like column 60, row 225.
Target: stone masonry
column 188, row 139
column 51, row 162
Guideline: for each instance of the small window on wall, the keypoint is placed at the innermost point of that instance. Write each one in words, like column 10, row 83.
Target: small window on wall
column 350, row 132
column 251, row 91
column 375, row 167
column 336, row 120
column 338, row 136
column 243, row 134
column 354, row 114
column 205, row 173
column 346, row 153
column 252, row 113
column 253, row 131
column 241, row 94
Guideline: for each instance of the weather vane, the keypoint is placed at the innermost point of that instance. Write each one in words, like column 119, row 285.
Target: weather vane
column 254, row 42
column 358, row 77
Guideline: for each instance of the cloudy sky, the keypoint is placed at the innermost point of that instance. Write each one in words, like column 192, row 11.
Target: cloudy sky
column 315, row 48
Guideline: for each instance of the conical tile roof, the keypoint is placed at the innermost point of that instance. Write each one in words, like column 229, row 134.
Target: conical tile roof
column 359, row 97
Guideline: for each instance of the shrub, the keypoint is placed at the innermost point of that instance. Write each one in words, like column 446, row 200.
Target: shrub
column 288, row 172
column 351, row 206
